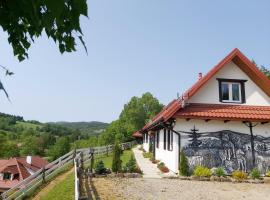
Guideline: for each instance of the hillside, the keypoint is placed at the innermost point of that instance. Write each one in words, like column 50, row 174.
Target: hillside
column 86, row 128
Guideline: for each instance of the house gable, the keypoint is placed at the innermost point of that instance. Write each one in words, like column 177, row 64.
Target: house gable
column 209, row 92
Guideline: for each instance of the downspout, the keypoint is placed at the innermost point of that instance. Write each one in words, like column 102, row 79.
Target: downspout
column 250, row 125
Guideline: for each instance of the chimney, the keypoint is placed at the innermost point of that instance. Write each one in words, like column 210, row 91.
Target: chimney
column 200, row 76
column 29, row 160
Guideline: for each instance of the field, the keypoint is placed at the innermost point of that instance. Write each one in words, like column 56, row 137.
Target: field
column 108, row 160
column 63, row 189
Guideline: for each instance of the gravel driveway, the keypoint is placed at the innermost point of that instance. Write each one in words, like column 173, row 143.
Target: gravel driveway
column 166, row 189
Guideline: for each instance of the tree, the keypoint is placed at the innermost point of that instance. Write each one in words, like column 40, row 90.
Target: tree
column 30, row 146
column 133, row 117
column 265, row 71
column 184, row 168
column 10, row 149
column 26, row 20
column 116, row 162
column 60, row 148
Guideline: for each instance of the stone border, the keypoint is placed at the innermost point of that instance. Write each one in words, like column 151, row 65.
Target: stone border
column 224, row 179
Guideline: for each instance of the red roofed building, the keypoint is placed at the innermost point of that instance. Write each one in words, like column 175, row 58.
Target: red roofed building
column 221, row 121
column 14, row 170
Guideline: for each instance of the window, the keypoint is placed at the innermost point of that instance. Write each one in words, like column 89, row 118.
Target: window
column 165, row 140
column 7, row 176
column 231, row 91
column 157, row 139
column 170, row 140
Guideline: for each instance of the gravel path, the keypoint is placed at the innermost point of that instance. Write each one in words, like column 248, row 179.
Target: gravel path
column 175, row 189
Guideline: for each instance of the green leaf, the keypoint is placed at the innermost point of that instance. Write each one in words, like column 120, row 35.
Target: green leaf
column 83, row 43
column 81, row 6
column 55, row 6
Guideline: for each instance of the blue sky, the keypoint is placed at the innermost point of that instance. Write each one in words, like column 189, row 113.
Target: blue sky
column 134, row 46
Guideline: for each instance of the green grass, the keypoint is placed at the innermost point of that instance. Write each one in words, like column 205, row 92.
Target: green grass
column 63, row 190
column 108, row 160
column 27, row 125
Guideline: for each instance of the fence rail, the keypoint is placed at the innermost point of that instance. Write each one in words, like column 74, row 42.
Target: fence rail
column 29, row 184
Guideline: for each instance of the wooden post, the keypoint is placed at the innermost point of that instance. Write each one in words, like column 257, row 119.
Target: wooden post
column 74, row 155
column 92, row 160
column 43, row 175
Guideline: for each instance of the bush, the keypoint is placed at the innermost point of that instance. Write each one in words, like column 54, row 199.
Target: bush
column 161, row 165
column 131, row 165
column 239, row 175
column 163, row 168
column 100, row 169
column 201, row 171
column 255, row 174
column 219, row 172
column 267, row 174
column 116, row 162
column 184, row 168
column 147, row 155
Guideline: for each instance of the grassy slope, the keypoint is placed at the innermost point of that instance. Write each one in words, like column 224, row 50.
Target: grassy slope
column 27, row 125
column 108, row 160
column 63, row 190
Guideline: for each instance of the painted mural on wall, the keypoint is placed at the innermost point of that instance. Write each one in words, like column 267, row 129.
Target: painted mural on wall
column 231, row 150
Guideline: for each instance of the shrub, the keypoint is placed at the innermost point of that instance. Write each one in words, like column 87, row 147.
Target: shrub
column 267, row 174
column 255, row 174
column 201, row 171
column 161, row 165
column 163, row 168
column 131, row 164
column 220, row 172
column 184, row 168
column 239, row 175
column 100, row 169
column 147, row 155
column 116, row 162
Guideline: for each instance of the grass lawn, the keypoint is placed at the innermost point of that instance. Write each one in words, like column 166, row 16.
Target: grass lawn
column 108, row 160
column 63, row 190
column 27, row 125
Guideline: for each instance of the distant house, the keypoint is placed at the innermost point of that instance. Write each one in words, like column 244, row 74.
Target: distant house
column 221, row 121
column 14, row 170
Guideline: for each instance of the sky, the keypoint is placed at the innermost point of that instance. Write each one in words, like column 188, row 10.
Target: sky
column 134, row 46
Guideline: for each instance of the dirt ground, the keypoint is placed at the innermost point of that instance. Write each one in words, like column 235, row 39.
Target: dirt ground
column 172, row 189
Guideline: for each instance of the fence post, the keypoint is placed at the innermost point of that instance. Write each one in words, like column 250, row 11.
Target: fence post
column 74, row 155
column 43, row 175
column 92, row 160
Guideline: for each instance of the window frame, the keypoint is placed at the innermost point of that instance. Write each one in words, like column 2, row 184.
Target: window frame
column 230, row 82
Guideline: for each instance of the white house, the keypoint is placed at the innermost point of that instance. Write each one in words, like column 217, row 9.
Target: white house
column 222, row 120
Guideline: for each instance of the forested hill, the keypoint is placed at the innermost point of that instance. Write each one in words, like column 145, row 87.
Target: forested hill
column 86, row 128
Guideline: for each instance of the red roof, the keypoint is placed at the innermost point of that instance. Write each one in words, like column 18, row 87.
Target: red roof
column 225, row 112
column 21, row 167
column 137, row 134
column 245, row 65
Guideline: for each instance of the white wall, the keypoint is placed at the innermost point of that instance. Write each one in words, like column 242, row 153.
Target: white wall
column 146, row 144
column 209, row 93
column 170, row 158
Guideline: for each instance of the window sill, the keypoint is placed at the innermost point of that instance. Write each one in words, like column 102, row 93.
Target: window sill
column 232, row 102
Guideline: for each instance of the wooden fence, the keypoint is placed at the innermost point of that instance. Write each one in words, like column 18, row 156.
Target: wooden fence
column 30, row 184
column 88, row 155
